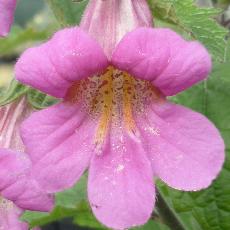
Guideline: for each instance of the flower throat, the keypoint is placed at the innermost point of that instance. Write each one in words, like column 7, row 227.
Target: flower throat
column 114, row 97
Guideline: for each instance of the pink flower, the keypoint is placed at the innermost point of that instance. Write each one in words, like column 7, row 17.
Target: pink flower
column 9, row 216
column 7, row 8
column 11, row 116
column 18, row 190
column 114, row 117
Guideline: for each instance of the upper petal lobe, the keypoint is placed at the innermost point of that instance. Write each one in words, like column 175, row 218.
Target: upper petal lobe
column 162, row 57
column 54, row 66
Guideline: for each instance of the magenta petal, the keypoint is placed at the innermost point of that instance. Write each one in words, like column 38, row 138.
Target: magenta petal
column 13, row 164
column 186, row 150
column 163, row 57
column 65, row 135
column 9, row 216
column 7, row 8
column 120, row 187
column 69, row 56
column 28, row 194
column 17, row 185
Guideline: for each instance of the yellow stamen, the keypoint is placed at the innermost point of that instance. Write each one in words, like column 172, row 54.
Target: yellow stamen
column 128, row 96
column 106, row 92
column 113, row 97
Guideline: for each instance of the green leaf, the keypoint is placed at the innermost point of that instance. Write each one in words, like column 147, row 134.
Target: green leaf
column 151, row 225
column 196, row 22
column 67, row 12
column 19, row 38
column 68, row 204
column 210, row 208
column 227, row 57
column 14, row 91
column 85, row 218
column 40, row 100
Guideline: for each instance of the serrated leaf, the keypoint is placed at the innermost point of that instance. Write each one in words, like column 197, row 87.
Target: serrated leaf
column 14, row 91
column 40, row 100
column 210, row 208
column 67, row 12
column 197, row 22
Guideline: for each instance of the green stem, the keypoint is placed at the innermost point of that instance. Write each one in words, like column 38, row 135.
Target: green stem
column 167, row 215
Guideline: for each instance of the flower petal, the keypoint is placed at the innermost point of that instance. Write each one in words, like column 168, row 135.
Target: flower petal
column 11, row 116
column 102, row 20
column 65, row 135
column 120, row 189
column 162, row 57
column 13, row 164
column 7, row 8
column 10, row 216
column 17, row 185
column 186, row 150
column 69, row 56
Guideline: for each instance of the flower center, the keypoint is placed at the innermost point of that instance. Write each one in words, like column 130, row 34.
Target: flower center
column 115, row 97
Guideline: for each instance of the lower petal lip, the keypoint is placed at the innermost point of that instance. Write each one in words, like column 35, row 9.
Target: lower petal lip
column 188, row 153
column 120, row 185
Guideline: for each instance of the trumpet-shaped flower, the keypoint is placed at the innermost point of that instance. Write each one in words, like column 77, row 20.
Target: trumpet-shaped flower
column 18, row 190
column 115, row 118
column 7, row 8
column 11, row 116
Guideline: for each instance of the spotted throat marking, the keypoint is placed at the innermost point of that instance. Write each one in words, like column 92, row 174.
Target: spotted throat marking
column 113, row 96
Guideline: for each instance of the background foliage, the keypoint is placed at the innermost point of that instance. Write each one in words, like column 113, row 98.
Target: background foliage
column 205, row 210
